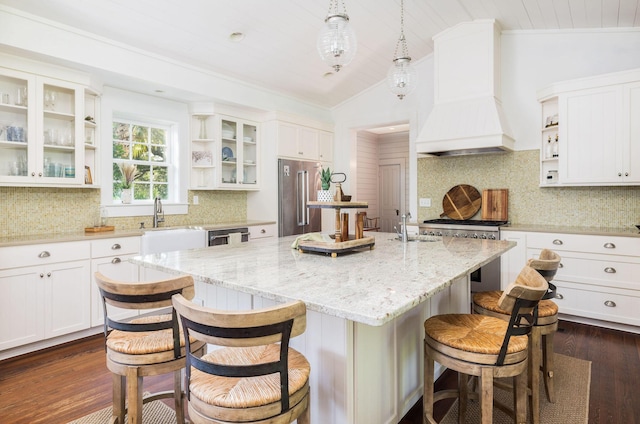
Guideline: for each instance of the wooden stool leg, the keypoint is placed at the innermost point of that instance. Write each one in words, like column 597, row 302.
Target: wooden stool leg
column 118, row 399
column 486, row 395
column 535, row 354
column 520, row 397
column 134, row 395
column 177, row 396
column 463, row 396
column 548, row 366
column 427, row 398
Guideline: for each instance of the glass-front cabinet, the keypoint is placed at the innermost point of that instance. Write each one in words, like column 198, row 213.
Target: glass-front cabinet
column 42, row 131
column 239, row 153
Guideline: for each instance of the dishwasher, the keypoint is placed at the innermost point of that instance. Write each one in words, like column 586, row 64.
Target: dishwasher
column 218, row 237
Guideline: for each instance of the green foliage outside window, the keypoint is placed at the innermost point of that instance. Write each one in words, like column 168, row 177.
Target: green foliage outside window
column 146, row 147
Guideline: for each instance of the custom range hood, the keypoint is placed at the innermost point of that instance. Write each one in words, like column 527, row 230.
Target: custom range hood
column 467, row 115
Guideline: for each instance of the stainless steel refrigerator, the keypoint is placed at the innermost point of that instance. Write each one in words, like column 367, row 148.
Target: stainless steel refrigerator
column 298, row 183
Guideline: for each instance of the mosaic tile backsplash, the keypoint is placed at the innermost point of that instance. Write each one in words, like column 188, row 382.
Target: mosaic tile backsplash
column 33, row 211
column 529, row 204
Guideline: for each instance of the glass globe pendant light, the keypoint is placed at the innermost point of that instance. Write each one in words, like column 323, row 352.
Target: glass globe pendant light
column 337, row 41
column 401, row 76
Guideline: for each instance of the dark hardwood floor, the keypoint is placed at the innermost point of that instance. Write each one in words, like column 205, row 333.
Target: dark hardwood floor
column 64, row 383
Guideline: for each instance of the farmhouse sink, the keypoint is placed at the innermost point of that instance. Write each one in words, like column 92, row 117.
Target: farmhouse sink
column 169, row 239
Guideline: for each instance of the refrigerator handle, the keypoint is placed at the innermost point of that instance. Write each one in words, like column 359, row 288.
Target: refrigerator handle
column 301, row 197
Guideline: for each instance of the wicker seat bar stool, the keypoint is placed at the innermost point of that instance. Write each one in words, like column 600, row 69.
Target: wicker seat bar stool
column 145, row 345
column 485, row 347
column 252, row 375
column 545, row 326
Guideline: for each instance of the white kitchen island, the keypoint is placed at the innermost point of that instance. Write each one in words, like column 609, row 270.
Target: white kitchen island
column 365, row 309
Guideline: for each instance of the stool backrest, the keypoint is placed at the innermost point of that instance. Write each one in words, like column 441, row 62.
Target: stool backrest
column 521, row 298
column 144, row 295
column 256, row 327
column 546, row 264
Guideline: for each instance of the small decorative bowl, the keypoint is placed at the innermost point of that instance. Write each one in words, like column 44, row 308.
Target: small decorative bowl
column 346, row 198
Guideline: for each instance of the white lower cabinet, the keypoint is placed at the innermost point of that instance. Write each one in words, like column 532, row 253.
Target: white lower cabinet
column 262, row 231
column 597, row 278
column 110, row 258
column 44, row 292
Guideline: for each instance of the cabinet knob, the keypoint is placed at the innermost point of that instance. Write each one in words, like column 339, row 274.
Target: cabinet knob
column 41, row 275
column 610, row 303
column 619, row 174
column 33, row 174
column 263, row 231
column 48, row 274
column 560, row 265
column 626, row 174
column 300, row 153
column 558, row 242
column 559, row 296
column 116, row 247
column 609, row 246
column 116, row 260
column 44, row 254
column 610, row 270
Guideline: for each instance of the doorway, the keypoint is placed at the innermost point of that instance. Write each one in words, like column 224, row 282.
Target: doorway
column 391, row 185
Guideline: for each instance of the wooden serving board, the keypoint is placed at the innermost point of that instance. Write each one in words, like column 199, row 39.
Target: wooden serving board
column 495, row 204
column 335, row 248
column 99, row 229
column 461, row 202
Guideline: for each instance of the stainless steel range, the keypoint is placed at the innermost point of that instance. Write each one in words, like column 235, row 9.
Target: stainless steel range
column 487, row 277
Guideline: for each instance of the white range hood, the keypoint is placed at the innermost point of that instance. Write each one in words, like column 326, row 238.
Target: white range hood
column 467, row 115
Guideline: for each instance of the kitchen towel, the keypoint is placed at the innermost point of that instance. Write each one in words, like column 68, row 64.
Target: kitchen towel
column 311, row 237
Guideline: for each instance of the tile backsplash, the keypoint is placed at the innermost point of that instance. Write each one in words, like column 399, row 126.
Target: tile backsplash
column 604, row 207
column 33, row 211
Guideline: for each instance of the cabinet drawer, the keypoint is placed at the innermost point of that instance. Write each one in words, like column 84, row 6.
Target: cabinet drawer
column 599, row 270
column 600, row 303
column 608, row 245
column 262, row 231
column 115, row 246
column 43, row 254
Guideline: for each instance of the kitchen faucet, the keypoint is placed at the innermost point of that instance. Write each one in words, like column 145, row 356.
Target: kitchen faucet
column 157, row 210
column 403, row 235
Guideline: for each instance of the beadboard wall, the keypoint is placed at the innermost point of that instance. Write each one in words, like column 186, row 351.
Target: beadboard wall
column 33, row 211
column 604, row 207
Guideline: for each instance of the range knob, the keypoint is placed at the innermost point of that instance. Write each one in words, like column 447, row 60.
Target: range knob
column 439, row 233
column 492, row 237
column 484, row 236
column 475, row 235
column 456, row 235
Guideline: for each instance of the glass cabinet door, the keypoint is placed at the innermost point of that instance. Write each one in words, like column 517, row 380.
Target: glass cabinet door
column 17, row 155
column 59, row 132
column 239, row 154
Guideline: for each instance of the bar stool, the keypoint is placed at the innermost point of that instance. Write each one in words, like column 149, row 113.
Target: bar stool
column 542, row 333
column 486, row 347
column 252, row 376
column 148, row 345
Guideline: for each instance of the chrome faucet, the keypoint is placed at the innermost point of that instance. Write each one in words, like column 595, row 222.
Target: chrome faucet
column 157, row 210
column 403, row 235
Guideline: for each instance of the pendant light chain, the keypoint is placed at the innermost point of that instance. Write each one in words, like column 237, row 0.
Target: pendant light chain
column 402, row 41
column 333, row 9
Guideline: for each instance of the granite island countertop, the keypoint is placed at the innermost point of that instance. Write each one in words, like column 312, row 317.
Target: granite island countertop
column 368, row 286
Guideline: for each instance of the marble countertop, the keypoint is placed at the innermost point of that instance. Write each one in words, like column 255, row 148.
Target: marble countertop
column 82, row 236
column 369, row 286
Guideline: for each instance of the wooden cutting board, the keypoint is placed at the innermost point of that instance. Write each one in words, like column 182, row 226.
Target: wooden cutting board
column 461, row 202
column 495, row 204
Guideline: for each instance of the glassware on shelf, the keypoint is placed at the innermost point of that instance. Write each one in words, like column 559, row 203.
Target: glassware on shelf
column 554, row 148
column 50, row 100
column 21, row 96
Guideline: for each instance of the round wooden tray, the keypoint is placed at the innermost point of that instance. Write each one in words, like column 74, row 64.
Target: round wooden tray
column 461, row 202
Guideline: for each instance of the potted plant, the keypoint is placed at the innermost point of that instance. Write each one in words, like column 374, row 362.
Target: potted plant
column 325, row 195
column 129, row 173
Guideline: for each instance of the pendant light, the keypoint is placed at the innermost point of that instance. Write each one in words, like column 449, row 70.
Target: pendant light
column 401, row 76
column 337, row 40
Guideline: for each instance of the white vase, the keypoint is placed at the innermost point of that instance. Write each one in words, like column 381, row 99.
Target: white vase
column 325, row 196
column 125, row 196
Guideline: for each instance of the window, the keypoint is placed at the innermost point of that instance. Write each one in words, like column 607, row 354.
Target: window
column 147, row 146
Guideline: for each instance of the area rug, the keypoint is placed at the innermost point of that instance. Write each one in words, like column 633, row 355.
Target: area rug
column 572, row 380
column 155, row 412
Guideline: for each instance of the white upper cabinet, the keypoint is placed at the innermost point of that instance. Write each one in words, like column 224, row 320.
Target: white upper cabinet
column 595, row 138
column 303, row 142
column 43, row 131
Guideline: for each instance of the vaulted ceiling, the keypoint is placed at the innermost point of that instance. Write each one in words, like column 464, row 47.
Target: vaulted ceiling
column 278, row 51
